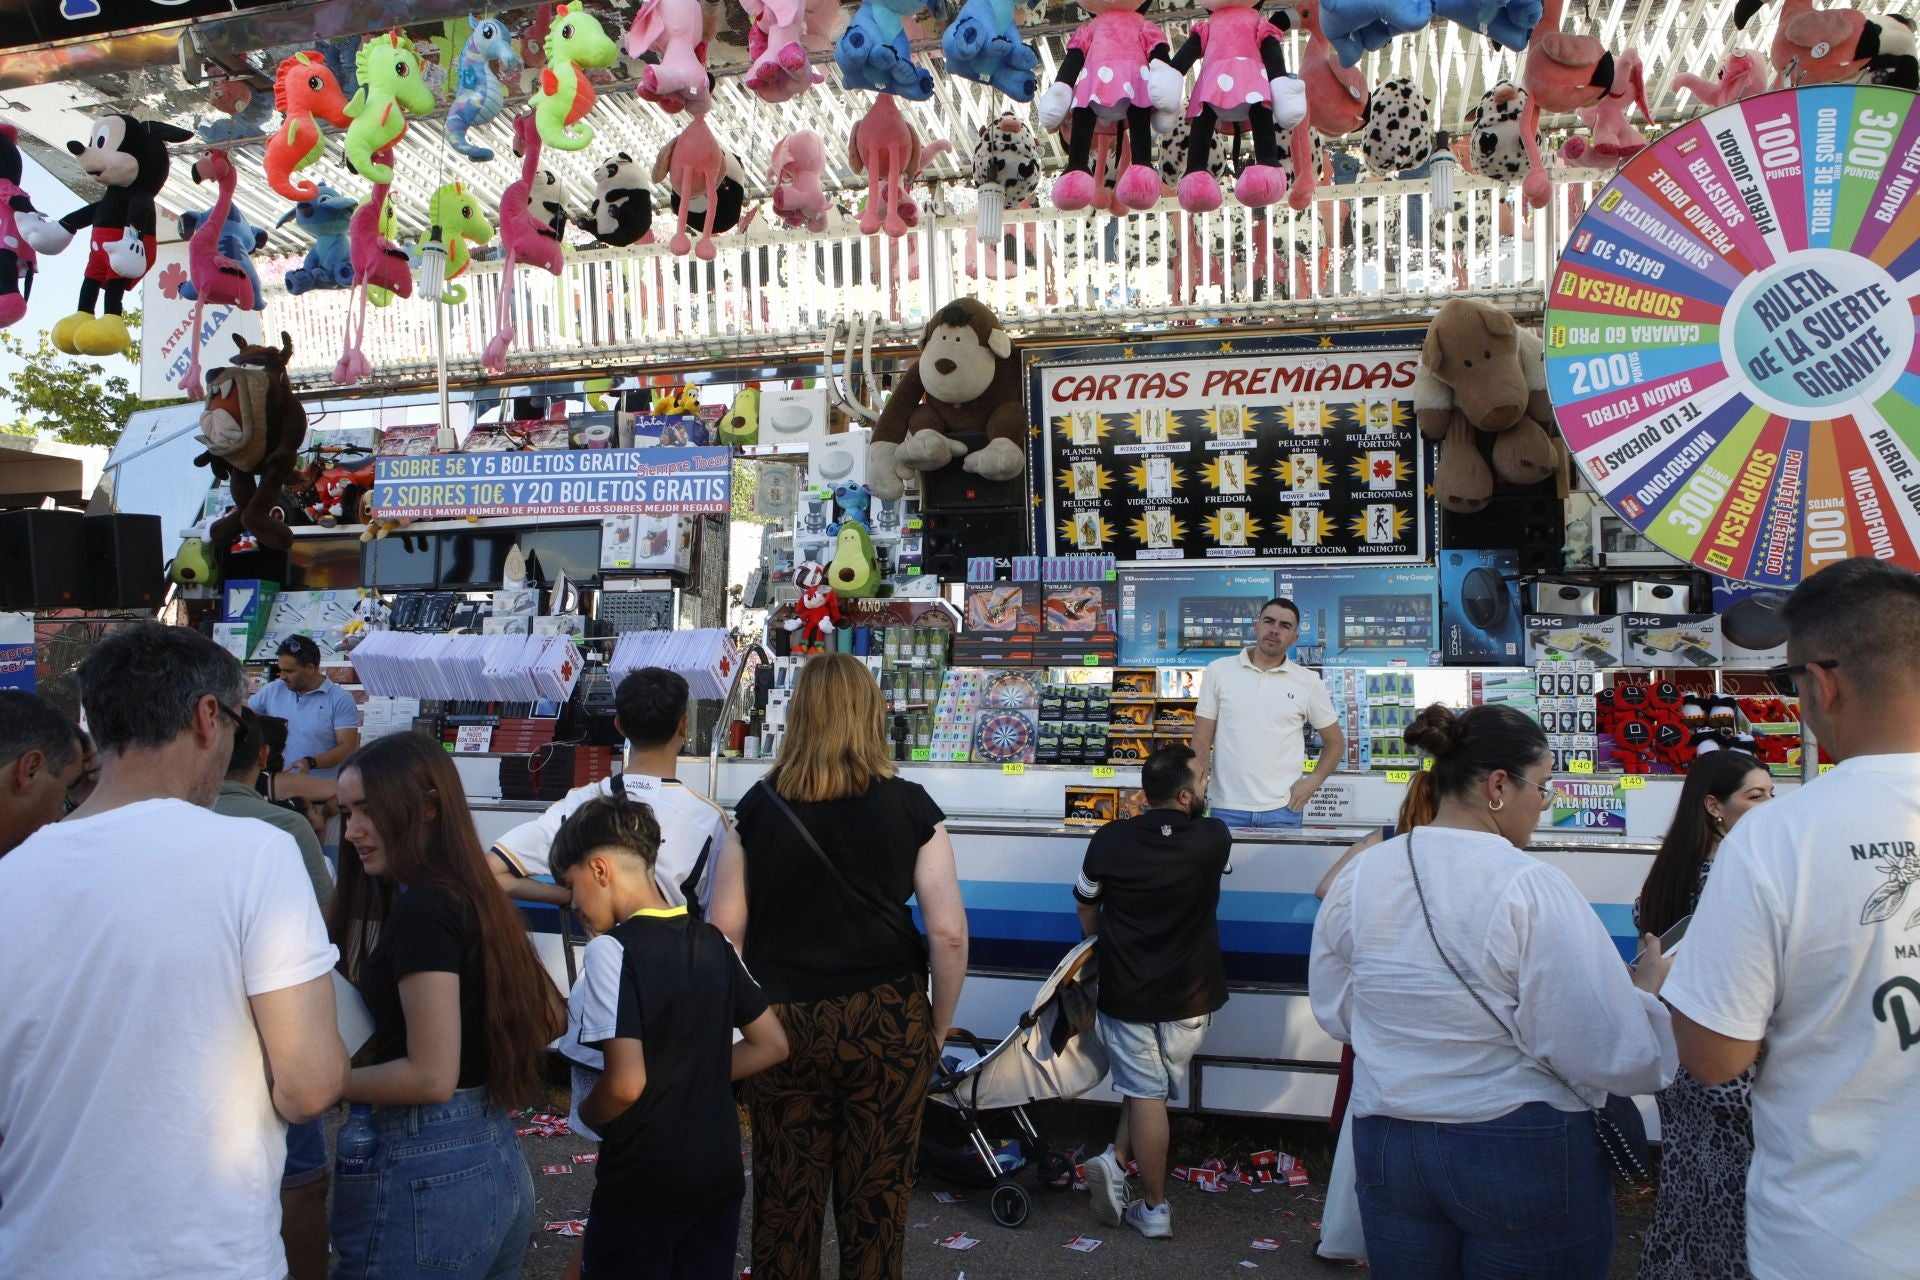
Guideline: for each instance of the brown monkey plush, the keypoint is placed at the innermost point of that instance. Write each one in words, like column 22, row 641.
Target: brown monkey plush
column 966, row 382
column 253, row 427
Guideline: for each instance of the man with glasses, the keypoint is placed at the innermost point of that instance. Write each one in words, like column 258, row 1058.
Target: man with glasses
column 1807, row 940
column 1249, row 730
column 169, row 994
column 40, row 762
column 323, row 720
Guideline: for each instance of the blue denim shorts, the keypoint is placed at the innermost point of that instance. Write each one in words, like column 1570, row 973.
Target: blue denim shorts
column 1261, row 820
column 1149, row 1059
column 448, row 1195
column 306, row 1155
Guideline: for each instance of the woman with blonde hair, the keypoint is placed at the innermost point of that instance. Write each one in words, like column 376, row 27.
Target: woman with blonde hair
column 835, row 845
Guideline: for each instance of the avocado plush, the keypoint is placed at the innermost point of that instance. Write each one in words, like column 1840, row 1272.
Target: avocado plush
column 853, row 572
column 741, row 422
column 193, row 565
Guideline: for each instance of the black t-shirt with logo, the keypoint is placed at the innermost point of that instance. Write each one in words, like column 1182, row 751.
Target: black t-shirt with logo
column 428, row 929
column 676, row 1152
column 1156, row 879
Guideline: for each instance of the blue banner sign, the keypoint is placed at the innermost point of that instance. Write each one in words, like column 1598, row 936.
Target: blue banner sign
column 556, row 482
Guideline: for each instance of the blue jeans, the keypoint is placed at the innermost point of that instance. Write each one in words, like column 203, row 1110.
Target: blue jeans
column 1524, row 1197
column 1259, row 819
column 448, row 1195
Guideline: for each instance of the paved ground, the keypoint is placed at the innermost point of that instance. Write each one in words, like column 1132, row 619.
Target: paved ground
column 1213, row 1233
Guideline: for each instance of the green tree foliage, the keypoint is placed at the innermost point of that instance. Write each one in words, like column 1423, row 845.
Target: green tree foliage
column 69, row 398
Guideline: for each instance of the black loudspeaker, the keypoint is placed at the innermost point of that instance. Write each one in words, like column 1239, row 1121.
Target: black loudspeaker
column 950, row 538
column 954, row 488
column 1534, row 524
column 43, row 560
column 126, row 568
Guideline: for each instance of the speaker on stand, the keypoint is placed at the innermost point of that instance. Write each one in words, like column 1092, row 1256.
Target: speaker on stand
column 44, row 562
column 125, row 566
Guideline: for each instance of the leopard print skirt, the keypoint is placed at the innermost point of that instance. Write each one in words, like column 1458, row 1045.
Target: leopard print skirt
column 1699, row 1229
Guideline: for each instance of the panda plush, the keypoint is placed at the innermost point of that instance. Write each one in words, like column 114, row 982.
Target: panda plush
column 622, row 208
column 729, row 198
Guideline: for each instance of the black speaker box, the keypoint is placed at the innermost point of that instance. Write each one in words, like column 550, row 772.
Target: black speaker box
column 1532, row 524
column 954, row 488
column 43, row 560
column 950, row 538
column 125, row 567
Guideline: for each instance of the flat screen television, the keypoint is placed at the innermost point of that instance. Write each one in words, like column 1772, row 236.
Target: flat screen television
column 477, row 560
column 401, row 561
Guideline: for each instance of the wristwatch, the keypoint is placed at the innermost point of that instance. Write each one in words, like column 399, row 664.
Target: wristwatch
column 310, row 762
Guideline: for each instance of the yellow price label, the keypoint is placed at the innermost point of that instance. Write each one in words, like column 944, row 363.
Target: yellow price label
column 1826, row 768
column 1013, row 767
column 1426, row 766
column 1103, row 771
column 1399, row 775
column 1309, row 766
column 1633, row 782
column 1579, row 766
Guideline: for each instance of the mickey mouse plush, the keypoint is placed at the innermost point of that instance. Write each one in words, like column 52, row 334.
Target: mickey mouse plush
column 128, row 157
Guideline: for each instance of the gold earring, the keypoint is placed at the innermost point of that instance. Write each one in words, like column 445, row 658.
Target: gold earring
column 1496, row 805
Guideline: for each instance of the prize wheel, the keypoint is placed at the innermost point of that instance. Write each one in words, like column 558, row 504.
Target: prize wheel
column 1730, row 337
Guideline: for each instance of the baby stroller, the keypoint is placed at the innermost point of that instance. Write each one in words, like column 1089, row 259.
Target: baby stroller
column 1056, row 1052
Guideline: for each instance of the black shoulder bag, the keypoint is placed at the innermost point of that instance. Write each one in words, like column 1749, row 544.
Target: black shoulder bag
column 1622, row 1132
column 916, row 944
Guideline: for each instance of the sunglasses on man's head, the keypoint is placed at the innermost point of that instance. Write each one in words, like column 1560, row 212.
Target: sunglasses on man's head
column 1786, row 676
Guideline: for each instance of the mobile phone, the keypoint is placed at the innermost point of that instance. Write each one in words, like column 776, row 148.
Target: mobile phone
column 1669, row 939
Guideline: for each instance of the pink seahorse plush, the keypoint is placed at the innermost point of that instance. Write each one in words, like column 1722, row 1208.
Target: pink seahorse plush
column 531, row 225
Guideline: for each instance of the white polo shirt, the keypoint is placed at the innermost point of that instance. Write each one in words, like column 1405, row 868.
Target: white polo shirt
column 1258, row 750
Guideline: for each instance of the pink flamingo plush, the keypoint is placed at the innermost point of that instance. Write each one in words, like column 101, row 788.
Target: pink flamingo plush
column 218, row 281
column 693, row 165
column 531, row 225
column 1563, row 72
column 1614, row 138
column 1336, row 103
column 378, row 263
column 886, row 149
column 677, row 29
column 795, row 174
column 1741, row 76
column 1781, row 52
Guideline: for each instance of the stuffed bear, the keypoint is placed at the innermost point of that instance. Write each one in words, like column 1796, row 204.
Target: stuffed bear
column 622, row 208
column 1479, row 370
column 253, row 427
column 966, row 381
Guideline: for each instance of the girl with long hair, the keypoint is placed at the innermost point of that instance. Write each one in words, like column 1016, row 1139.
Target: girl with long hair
column 1699, row 1229
column 835, row 845
column 462, row 1013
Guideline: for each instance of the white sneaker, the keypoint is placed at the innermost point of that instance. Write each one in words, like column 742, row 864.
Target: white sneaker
column 1154, row 1223
column 1107, row 1181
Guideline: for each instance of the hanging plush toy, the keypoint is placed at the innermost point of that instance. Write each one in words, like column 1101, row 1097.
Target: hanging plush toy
column 478, row 96
column 1006, row 173
column 574, row 40
column 983, row 44
column 378, row 263
column 1509, row 25
column 699, row 172
column 677, row 30
column 1358, row 27
column 532, row 223
column 253, row 427
column 304, row 93
column 782, row 39
column 622, row 209
column 327, row 218
column 390, row 87
column 740, row 424
column 1116, row 73
column 965, row 382
column 1842, row 46
column 875, row 53
column 885, row 148
column 816, row 613
column 218, row 267
column 1399, row 128
column 796, row 176
column 1495, row 148
column 1563, row 72
column 458, row 216
column 1741, row 75
column 1613, row 136
column 18, row 221
column 1479, row 371
column 129, row 158
column 1243, row 77
column 1337, row 104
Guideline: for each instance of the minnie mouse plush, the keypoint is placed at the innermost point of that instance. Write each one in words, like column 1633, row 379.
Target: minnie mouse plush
column 17, row 219
column 1116, row 71
column 1243, row 76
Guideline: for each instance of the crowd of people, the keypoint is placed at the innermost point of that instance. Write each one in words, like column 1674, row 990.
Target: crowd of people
column 177, row 949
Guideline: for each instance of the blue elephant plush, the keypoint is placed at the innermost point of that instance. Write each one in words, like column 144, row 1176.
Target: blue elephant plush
column 1356, row 28
column 329, row 263
column 874, row 53
column 983, row 44
column 1509, row 25
column 239, row 241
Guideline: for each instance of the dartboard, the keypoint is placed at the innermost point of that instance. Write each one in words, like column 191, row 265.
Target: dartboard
column 1012, row 691
column 1001, row 737
column 1731, row 341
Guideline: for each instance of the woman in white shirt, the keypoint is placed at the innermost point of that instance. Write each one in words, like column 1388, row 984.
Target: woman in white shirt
column 1470, row 1158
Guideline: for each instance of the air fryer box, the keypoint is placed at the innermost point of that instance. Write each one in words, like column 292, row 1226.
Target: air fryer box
column 1480, row 608
column 1553, row 638
column 1680, row 641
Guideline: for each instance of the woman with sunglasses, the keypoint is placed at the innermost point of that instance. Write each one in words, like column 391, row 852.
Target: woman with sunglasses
column 1699, row 1229
column 1489, row 1014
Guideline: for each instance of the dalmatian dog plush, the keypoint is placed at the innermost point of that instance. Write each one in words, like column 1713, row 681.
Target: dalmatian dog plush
column 1399, row 129
column 1495, row 148
column 1008, row 159
column 622, row 208
column 1171, row 158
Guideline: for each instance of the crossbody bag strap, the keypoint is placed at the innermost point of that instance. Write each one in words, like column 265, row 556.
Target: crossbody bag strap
column 891, row 915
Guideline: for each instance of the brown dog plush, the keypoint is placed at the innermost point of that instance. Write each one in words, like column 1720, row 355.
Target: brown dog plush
column 1480, row 370
column 253, row 427
column 965, row 382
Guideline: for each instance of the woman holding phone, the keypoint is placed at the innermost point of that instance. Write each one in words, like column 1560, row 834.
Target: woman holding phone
column 1699, row 1229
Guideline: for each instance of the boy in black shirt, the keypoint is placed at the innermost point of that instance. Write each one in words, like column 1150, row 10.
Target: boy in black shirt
column 661, row 994
column 1150, row 887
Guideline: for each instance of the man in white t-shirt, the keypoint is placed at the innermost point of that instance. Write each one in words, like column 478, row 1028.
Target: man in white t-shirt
column 1248, row 730
column 699, row 852
column 1805, row 940
column 169, row 995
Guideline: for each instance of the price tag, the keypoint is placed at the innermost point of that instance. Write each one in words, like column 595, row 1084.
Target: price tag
column 958, row 757
column 1826, row 768
column 913, row 571
column 1102, row 771
column 1399, row 775
column 1426, row 766
column 1633, row 782
column 1579, row 766
column 1309, row 766
column 1090, row 660
column 1113, row 575
column 920, row 753
column 1014, row 767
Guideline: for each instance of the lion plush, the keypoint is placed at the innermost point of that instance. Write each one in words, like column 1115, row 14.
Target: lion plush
column 966, row 382
column 1481, row 371
column 253, row 427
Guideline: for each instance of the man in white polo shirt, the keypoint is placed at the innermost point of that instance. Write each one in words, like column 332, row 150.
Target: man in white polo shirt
column 1248, row 732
